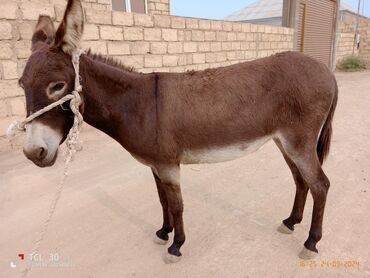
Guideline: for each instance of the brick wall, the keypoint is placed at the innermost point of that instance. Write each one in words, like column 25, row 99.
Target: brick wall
column 146, row 42
column 91, row 4
column 345, row 43
column 159, row 7
column 365, row 39
column 175, row 44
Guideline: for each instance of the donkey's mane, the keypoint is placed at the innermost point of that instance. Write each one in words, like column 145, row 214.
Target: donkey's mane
column 109, row 61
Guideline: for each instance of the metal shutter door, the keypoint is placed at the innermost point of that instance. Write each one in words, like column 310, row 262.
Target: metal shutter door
column 318, row 30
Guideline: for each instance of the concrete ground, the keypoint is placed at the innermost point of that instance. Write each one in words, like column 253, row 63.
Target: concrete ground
column 105, row 220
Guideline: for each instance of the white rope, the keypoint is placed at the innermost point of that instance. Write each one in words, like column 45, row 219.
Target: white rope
column 73, row 142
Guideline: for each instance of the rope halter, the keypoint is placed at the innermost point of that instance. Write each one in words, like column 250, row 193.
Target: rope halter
column 72, row 141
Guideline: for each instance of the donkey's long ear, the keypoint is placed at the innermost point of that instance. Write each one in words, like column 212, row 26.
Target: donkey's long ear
column 69, row 32
column 44, row 32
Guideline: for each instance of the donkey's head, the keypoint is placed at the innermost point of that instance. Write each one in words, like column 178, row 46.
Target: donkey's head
column 47, row 77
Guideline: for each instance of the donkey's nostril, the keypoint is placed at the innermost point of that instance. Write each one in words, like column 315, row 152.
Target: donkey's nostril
column 42, row 153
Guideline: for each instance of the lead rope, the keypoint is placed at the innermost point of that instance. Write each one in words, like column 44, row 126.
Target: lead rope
column 73, row 143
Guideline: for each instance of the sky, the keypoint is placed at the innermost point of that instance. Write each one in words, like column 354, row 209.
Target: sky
column 218, row 9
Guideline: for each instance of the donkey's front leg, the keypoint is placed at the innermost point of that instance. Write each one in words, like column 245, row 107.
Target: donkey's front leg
column 162, row 234
column 169, row 177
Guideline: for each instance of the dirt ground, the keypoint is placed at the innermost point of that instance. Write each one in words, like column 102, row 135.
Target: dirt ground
column 105, row 220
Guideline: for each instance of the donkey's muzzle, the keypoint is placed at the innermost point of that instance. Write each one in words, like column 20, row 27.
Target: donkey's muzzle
column 36, row 154
column 41, row 144
column 39, row 156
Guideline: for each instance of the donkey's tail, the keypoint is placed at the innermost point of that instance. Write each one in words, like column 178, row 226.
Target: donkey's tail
column 323, row 144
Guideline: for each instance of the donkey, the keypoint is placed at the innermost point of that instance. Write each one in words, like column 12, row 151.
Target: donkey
column 168, row 119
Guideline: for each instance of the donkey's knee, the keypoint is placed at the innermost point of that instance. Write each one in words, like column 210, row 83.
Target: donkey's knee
column 320, row 188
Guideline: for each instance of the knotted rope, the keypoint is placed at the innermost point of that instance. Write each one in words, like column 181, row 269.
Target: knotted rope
column 72, row 141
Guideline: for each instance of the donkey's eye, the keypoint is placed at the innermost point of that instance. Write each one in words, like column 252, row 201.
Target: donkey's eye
column 56, row 88
column 59, row 86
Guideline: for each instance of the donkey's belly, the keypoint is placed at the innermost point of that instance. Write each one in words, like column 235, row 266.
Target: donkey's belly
column 221, row 154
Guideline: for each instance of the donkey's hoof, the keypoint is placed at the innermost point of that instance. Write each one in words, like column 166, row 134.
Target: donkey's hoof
column 159, row 241
column 306, row 254
column 284, row 229
column 171, row 259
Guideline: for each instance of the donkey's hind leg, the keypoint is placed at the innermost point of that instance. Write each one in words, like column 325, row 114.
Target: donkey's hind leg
column 302, row 152
column 162, row 234
column 287, row 227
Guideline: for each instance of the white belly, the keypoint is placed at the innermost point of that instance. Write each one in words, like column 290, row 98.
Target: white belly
column 215, row 155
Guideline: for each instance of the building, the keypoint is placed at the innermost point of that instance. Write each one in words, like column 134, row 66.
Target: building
column 135, row 6
column 348, row 15
column 314, row 21
column 260, row 12
column 271, row 12
column 141, row 6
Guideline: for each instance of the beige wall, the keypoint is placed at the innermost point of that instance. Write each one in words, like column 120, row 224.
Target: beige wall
column 345, row 45
column 176, row 44
column 346, row 40
column 347, row 17
column 146, row 42
column 92, row 4
column 159, row 7
column 365, row 39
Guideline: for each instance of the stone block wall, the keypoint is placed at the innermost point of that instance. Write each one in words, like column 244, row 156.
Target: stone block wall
column 365, row 40
column 345, row 43
column 89, row 4
column 159, row 7
column 176, row 44
column 105, row 5
column 146, row 42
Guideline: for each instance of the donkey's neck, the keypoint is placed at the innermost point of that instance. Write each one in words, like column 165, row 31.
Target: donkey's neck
column 119, row 102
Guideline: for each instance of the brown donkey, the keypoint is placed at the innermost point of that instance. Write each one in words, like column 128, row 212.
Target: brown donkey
column 168, row 119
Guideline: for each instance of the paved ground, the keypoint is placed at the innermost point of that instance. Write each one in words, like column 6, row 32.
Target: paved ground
column 104, row 223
